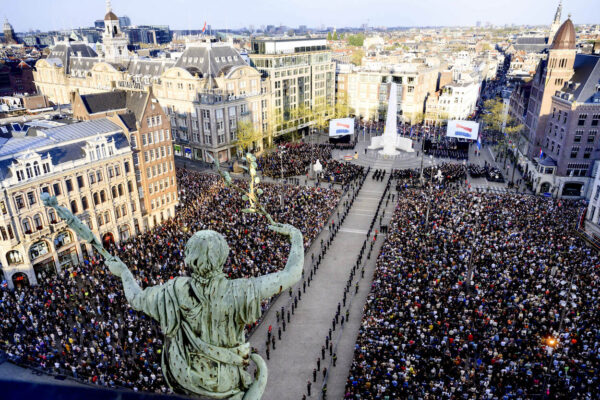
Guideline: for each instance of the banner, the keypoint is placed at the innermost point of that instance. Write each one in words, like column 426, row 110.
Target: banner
column 463, row 129
column 341, row 127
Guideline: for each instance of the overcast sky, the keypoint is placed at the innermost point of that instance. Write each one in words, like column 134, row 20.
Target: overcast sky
column 191, row 14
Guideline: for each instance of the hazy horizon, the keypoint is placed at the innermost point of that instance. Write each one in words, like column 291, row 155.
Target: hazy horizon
column 28, row 15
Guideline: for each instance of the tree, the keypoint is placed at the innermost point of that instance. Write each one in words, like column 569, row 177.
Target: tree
column 342, row 110
column 493, row 116
column 246, row 136
column 321, row 114
column 417, row 118
column 356, row 40
column 357, row 57
column 498, row 121
column 329, row 36
column 335, row 36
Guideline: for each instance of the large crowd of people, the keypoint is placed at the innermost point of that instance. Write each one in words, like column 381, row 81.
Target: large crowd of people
column 444, row 147
column 293, row 159
column 341, row 172
column 526, row 327
column 78, row 323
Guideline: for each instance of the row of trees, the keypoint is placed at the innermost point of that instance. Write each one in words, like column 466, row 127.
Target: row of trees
column 505, row 127
column 294, row 119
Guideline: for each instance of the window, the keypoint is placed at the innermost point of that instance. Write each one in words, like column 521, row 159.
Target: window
column 595, row 119
column 144, row 143
column 587, row 152
column 117, row 170
column 74, row 207
column 69, row 185
column 577, row 137
column 111, row 172
column 56, row 189
column 99, row 176
column 84, row 203
column 126, row 167
column 114, row 192
column 96, row 199
column 37, row 222
column 591, row 136
column 31, row 198
column 19, row 202
column 574, row 151
column 80, row 183
column 52, row 216
column 102, row 196
column 133, row 142
column 582, row 118
column 27, row 226
column 36, row 168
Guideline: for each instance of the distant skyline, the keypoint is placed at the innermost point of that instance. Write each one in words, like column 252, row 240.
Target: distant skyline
column 185, row 14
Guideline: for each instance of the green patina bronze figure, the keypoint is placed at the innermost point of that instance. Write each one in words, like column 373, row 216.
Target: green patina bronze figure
column 203, row 316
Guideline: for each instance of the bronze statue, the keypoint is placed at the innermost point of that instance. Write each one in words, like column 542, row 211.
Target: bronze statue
column 203, row 316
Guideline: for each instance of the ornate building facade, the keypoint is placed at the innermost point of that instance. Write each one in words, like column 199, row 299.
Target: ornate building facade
column 563, row 116
column 89, row 167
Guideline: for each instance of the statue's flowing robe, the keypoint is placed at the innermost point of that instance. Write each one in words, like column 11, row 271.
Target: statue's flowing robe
column 205, row 351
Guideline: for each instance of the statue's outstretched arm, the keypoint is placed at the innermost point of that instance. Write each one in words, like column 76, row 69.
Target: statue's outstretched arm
column 276, row 282
column 114, row 263
column 130, row 286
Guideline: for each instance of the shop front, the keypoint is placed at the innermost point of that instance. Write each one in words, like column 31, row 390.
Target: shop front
column 68, row 258
column 44, row 268
column 20, row 280
column 177, row 149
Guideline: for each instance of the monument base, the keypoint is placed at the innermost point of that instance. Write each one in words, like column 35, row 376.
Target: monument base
column 390, row 147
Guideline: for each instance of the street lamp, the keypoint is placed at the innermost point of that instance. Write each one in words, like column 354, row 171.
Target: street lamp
column 471, row 265
column 281, row 164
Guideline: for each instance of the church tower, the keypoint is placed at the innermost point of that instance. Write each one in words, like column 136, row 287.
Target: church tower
column 556, row 23
column 550, row 77
column 114, row 41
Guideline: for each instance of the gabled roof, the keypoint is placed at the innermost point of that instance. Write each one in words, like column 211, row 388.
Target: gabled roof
column 64, row 52
column 53, row 136
column 149, row 67
column 135, row 101
column 128, row 119
column 209, row 60
column 585, row 79
column 103, row 102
